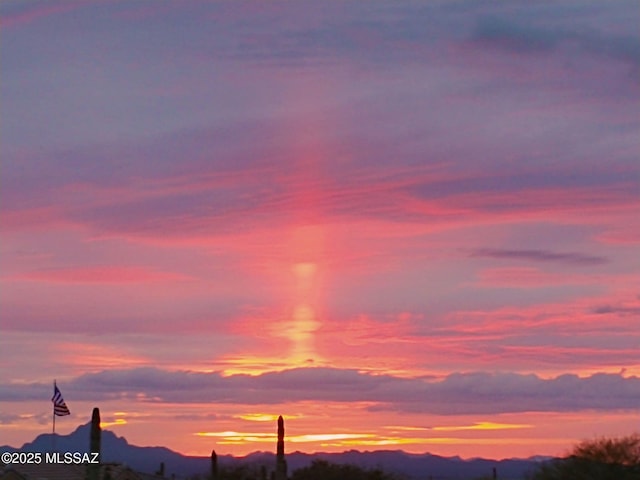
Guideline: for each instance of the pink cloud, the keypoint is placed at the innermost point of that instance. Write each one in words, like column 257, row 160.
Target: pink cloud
column 101, row 274
column 34, row 219
column 623, row 233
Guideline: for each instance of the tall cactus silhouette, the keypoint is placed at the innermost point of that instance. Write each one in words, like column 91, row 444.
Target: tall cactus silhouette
column 281, row 463
column 214, row 465
column 96, row 431
column 280, row 446
column 93, row 471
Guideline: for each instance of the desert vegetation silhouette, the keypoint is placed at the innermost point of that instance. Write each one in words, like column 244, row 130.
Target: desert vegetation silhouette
column 599, row 459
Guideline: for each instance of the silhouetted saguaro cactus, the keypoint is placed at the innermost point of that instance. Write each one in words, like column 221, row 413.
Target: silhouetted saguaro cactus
column 281, row 463
column 280, row 446
column 93, row 471
column 96, row 431
column 214, row 465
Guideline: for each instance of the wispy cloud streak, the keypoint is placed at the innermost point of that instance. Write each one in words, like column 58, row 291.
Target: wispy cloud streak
column 569, row 258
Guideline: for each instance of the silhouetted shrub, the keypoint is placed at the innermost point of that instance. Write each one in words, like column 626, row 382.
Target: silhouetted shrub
column 323, row 470
column 601, row 459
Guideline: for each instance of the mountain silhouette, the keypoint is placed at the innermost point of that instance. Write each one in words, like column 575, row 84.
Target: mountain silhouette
column 147, row 459
column 118, row 450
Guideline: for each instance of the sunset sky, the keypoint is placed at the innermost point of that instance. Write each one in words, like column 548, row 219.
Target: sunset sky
column 399, row 224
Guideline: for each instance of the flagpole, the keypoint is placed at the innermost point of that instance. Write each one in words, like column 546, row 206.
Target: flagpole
column 53, row 436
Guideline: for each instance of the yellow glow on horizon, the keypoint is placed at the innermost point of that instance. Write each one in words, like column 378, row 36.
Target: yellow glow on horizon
column 320, row 437
column 242, row 437
column 264, row 417
column 117, row 421
column 482, row 426
column 369, row 439
column 393, row 441
column 258, row 417
column 453, row 441
column 233, row 436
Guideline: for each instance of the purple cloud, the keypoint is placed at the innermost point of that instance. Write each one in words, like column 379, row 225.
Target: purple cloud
column 458, row 393
column 569, row 258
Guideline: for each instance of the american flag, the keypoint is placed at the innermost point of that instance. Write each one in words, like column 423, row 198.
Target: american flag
column 59, row 407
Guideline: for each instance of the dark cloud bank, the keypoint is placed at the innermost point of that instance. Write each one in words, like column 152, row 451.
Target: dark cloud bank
column 458, row 393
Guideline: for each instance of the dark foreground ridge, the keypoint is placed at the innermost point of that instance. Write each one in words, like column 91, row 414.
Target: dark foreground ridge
column 148, row 460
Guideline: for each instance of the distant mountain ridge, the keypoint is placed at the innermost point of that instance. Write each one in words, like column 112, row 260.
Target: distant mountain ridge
column 113, row 449
column 147, row 459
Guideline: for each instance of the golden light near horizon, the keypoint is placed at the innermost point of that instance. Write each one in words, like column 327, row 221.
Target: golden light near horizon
column 350, row 440
column 482, row 426
column 324, row 437
column 230, row 434
column 382, row 441
column 262, row 437
column 264, row 417
column 117, row 421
